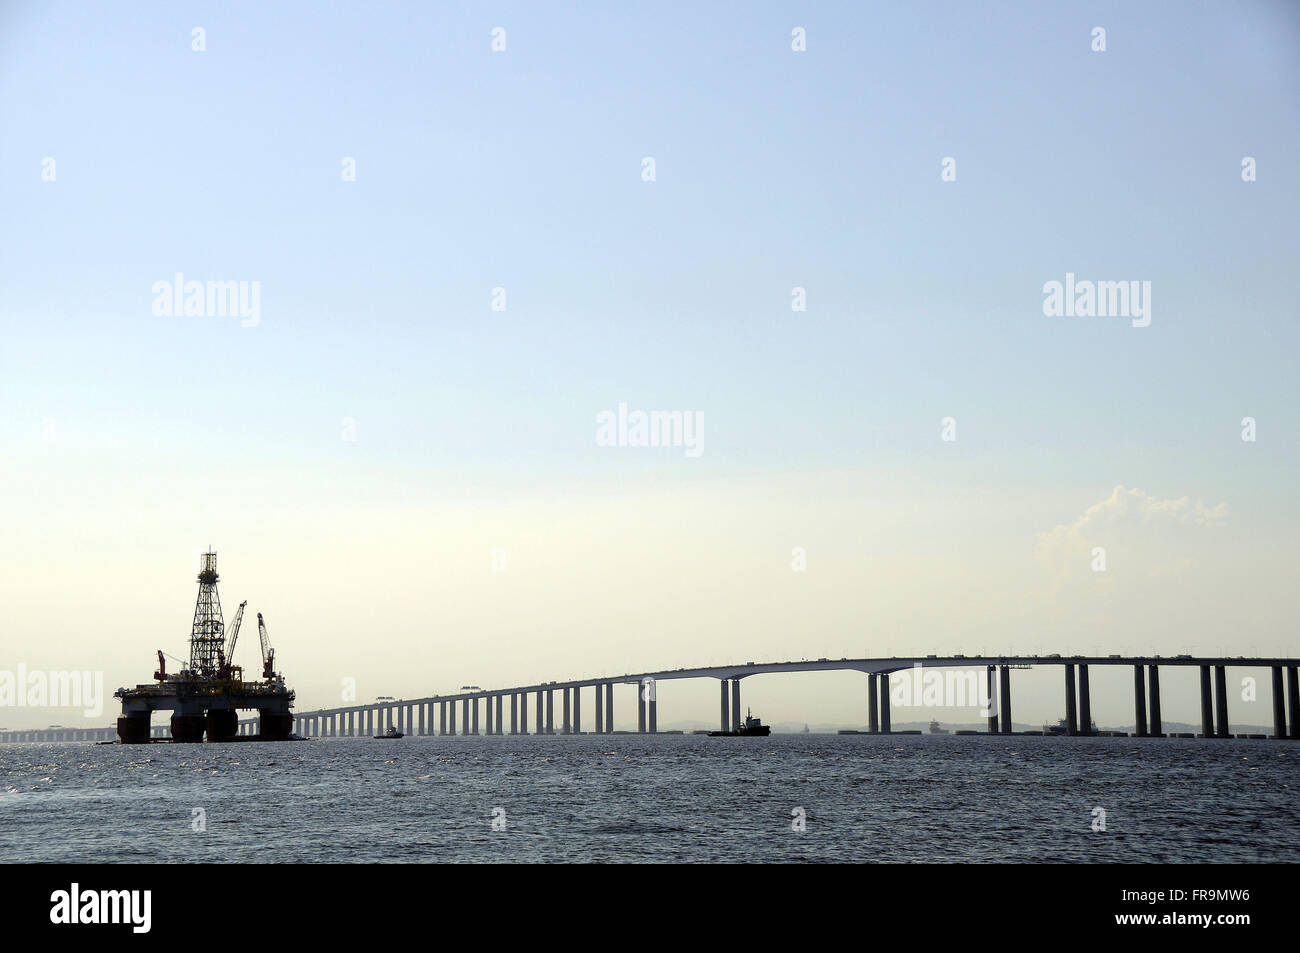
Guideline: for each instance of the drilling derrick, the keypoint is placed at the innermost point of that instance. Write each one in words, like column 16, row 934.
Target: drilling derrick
column 208, row 633
column 205, row 698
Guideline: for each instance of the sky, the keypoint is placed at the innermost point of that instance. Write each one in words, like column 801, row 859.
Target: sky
column 397, row 458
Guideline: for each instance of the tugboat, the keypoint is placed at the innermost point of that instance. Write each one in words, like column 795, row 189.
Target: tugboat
column 936, row 730
column 390, row 733
column 752, row 726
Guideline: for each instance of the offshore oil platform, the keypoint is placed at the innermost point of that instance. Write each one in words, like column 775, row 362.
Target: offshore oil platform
column 206, row 695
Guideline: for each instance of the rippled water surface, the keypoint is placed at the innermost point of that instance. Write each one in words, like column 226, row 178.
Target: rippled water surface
column 670, row 797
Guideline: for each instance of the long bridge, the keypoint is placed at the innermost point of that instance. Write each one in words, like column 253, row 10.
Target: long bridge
column 506, row 710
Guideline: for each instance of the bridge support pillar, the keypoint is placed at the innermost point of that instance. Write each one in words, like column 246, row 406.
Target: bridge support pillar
column 1085, row 702
column 577, row 710
column 550, row 711
column 609, row 708
column 1071, row 716
column 514, row 713
column 541, row 717
column 735, row 704
column 1293, row 697
column 600, row 709
column 423, row 708
column 465, row 721
column 568, row 724
column 500, row 702
column 654, row 709
column 884, row 704
column 640, row 708
column 873, row 705
column 1207, row 704
column 725, row 723
column 1139, row 703
column 1004, row 697
column 1279, row 704
column 523, row 713
column 992, row 700
column 1153, row 681
column 451, row 716
column 1221, row 693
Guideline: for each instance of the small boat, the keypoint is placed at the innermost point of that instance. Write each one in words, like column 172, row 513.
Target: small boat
column 390, row 733
column 752, row 726
column 936, row 730
column 1061, row 728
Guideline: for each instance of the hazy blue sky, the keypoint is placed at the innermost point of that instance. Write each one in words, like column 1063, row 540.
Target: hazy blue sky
column 130, row 441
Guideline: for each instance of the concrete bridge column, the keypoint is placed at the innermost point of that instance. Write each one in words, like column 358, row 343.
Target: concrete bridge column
column 1221, row 691
column 500, row 702
column 884, row 703
column 1139, row 702
column 992, row 701
column 471, row 703
column 422, row 710
column 577, row 710
column 550, row 711
column 1279, row 704
column 523, row 713
column 541, row 720
column 489, row 726
column 654, row 709
column 1071, row 716
column 1153, row 681
column 1207, row 704
column 600, row 709
column 1085, row 702
column 568, row 724
column 1293, row 698
column 735, row 704
column 514, row 713
column 609, row 708
column 451, row 717
column 873, row 706
column 724, row 725
column 640, row 708
column 1004, row 697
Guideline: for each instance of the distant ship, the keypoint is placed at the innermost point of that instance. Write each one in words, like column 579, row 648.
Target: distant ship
column 936, row 730
column 805, row 729
column 752, row 726
column 1060, row 728
column 392, row 732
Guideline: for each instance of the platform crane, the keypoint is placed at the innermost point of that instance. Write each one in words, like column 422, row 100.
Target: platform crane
column 225, row 659
column 268, row 653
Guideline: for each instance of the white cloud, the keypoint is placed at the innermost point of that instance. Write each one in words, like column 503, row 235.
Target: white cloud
column 1131, row 508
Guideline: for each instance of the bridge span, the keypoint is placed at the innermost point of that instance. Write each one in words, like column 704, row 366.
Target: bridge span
column 506, row 710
